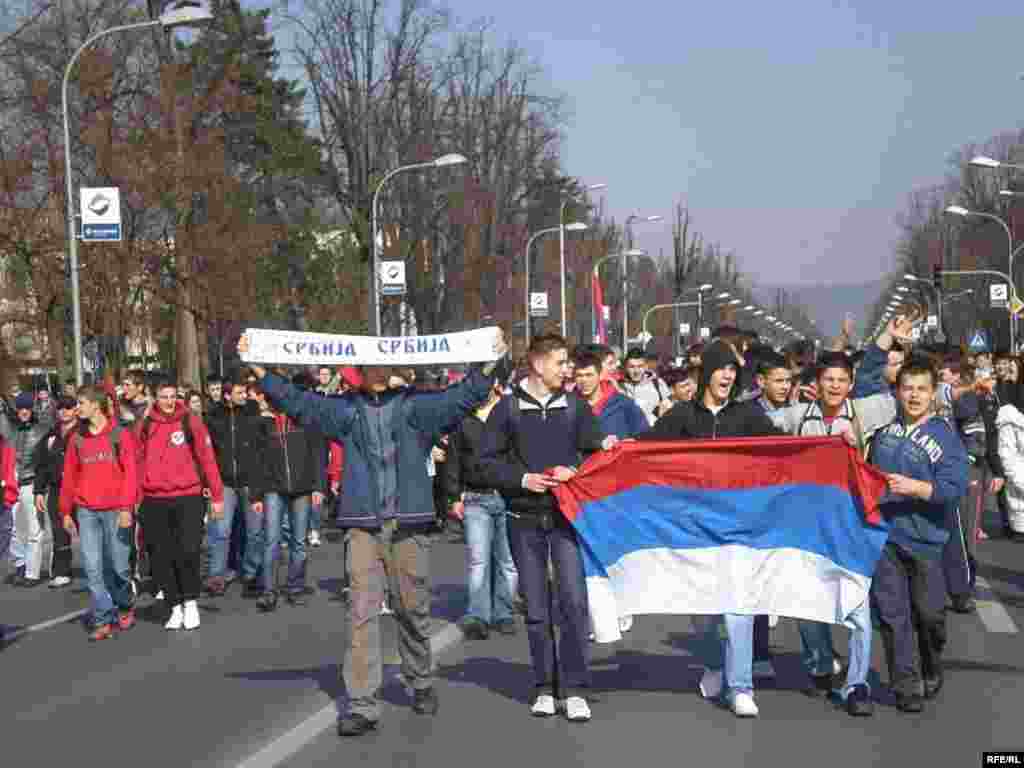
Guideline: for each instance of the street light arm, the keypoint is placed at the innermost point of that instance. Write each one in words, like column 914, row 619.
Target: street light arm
column 656, row 307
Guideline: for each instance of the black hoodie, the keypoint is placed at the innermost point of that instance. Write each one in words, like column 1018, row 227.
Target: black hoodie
column 237, row 440
column 693, row 420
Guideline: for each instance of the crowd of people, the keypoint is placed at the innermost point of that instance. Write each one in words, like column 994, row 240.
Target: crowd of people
column 154, row 480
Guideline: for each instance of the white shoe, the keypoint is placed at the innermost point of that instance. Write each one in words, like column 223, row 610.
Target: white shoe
column 159, row 595
column 711, row 683
column 763, row 668
column 743, row 705
column 59, row 581
column 314, row 538
column 191, row 615
column 773, row 622
column 577, row 710
column 543, row 706
column 177, row 618
column 837, row 668
column 592, row 637
column 384, row 608
column 625, row 623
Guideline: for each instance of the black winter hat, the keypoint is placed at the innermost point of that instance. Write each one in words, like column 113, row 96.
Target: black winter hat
column 716, row 356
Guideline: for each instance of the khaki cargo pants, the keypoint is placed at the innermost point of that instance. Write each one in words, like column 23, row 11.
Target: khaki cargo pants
column 398, row 558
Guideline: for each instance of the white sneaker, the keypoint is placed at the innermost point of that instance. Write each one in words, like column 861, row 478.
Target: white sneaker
column 773, row 622
column 384, row 609
column 763, row 668
column 592, row 637
column 314, row 538
column 577, row 710
column 177, row 618
column 543, row 706
column 159, row 595
column 625, row 623
column 711, row 683
column 743, row 705
column 59, row 581
column 191, row 615
column 837, row 668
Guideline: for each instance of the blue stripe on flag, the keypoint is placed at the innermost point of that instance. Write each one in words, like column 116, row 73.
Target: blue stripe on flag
column 821, row 519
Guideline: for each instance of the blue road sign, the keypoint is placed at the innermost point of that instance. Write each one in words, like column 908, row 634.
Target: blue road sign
column 101, row 232
column 978, row 342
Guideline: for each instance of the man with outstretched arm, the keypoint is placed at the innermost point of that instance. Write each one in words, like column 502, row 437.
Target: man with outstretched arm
column 387, row 510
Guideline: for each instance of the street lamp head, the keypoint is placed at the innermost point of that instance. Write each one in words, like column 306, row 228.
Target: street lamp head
column 1010, row 193
column 185, row 13
column 449, row 159
column 705, row 287
column 981, row 161
column 636, row 252
column 957, row 210
column 749, row 308
column 911, row 278
column 576, row 226
column 734, row 303
column 595, row 187
column 723, row 295
column 653, row 218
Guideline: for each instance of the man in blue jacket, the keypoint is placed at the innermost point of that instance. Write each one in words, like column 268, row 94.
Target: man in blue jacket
column 388, row 510
column 617, row 414
column 926, row 466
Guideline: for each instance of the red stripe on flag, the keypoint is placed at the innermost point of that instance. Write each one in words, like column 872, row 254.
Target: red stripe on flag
column 751, row 462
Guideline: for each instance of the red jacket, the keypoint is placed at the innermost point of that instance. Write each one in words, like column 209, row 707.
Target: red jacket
column 94, row 477
column 7, row 474
column 169, row 463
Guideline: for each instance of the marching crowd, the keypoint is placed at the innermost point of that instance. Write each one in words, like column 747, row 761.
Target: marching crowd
column 153, row 479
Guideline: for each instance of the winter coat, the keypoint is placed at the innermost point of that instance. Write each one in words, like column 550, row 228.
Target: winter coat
column 558, row 432
column 416, row 419
column 620, row 416
column 292, row 459
column 237, row 441
column 1010, row 428
column 648, row 394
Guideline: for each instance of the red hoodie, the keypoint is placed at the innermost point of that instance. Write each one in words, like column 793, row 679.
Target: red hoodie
column 168, row 466
column 96, row 479
column 7, row 475
column 335, row 463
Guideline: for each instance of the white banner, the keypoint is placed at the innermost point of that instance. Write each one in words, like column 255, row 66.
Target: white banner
column 299, row 348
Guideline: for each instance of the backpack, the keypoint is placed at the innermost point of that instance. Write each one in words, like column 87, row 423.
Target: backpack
column 115, row 440
column 190, row 440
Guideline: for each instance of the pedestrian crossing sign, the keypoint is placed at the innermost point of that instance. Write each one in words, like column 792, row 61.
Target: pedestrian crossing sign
column 978, row 342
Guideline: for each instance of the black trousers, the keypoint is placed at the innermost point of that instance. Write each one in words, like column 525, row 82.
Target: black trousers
column 173, row 529
column 61, row 540
column 909, row 595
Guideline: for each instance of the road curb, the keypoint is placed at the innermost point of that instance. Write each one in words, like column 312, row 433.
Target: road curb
column 286, row 746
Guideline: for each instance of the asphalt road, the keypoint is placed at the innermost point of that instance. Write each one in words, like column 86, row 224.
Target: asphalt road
column 251, row 689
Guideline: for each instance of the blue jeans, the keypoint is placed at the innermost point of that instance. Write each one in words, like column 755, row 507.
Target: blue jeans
column 255, row 543
column 531, row 546
column 734, row 651
column 7, row 533
column 277, row 507
column 218, row 532
column 492, row 575
column 106, row 548
column 816, row 640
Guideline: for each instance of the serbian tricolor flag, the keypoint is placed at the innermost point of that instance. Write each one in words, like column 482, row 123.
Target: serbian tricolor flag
column 788, row 526
column 600, row 326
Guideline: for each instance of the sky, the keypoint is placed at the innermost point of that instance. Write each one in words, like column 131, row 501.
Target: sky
column 793, row 131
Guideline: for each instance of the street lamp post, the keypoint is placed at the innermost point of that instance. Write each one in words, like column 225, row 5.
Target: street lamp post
column 656, row 307
column 181, row 14
column 561, row 244
column 440, row 162
column 959, row 210
column 575, row 226
column 625, row 273
column 624, row 255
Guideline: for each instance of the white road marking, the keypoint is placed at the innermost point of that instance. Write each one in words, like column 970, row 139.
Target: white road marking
column 284, row 747
column 993, row 614
column 72, row 616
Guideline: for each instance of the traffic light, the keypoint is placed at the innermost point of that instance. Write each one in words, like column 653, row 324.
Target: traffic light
column 937, row 277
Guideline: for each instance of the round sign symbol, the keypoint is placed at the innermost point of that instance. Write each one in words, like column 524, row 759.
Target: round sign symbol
column 99, row 205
